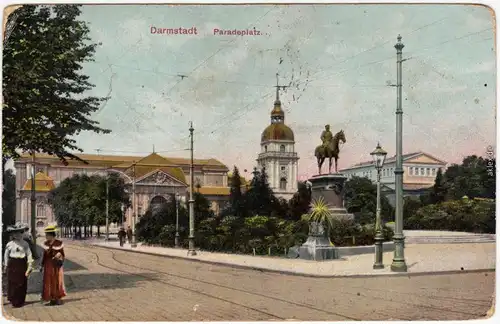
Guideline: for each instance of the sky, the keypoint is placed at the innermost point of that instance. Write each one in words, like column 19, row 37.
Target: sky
column 339, row 61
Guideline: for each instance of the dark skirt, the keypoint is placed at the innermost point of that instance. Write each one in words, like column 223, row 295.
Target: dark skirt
column 17, row 282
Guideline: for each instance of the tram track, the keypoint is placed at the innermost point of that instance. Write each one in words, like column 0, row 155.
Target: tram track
column 277, row 299
column 271, row 315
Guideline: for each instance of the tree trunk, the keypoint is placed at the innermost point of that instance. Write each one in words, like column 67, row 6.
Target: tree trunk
column 98, row 231
column 91, row 227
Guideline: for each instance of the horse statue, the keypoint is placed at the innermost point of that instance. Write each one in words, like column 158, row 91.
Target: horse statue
column 329, row 150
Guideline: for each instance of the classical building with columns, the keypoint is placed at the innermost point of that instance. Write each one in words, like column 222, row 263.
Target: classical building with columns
column 278, row 155
column 157, row 179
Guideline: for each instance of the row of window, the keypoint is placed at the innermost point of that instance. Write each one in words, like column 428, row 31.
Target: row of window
column 412, row 171
column 282, row 148
column 422, row 172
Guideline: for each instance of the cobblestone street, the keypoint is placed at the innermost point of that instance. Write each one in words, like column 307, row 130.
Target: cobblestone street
column 110, row 285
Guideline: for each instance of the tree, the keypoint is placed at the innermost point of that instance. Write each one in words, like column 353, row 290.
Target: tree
column 300, row 202
column 236, row 199
column 44, row 102
column 152, row 225
column 8, row 202
column 473, row 178
column 260, row 195
column 8, row 198
column 360, row 198
column 81, row 200
column 438, row 191
column 202, row 209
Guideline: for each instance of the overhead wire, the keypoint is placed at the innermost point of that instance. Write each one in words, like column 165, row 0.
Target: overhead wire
column 215, row 53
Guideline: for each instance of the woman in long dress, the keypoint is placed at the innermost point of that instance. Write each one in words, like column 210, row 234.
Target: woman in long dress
column 18, row 263
column 52, row 261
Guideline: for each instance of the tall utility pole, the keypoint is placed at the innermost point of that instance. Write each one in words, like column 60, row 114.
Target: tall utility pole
column 107, row 207
column 33, row 197
column 191, row 250
column 134, row 242
column 398, row 263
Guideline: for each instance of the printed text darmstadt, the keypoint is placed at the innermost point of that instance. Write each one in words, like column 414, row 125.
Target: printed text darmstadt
column 174, row 31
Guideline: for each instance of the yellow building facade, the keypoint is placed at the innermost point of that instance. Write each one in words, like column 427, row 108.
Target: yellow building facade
column 156, row 177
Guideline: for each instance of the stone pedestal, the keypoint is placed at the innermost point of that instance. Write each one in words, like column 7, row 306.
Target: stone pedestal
column 330, row 187
column 318, row 246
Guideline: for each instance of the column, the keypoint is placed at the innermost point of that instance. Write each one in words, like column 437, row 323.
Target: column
column 18, row 206
column 289, row 180
column 276, row 175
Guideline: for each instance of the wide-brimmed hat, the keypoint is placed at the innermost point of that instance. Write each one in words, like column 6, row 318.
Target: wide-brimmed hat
column 17, row 228
column 50, row 229
column 23, row 226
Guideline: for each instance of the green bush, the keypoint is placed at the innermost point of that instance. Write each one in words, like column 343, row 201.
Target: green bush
column 464, row 215
column 347, row 232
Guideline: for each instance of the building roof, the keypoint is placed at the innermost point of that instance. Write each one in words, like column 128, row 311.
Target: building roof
column 151, row 163
column 43, row 183
column 392, row 159
column 277, row 132
column 214, row 191
column 116, row 160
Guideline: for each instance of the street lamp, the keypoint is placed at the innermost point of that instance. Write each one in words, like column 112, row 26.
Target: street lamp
column 107, row 208
column 177, row 197
column 378, row 159
column 398, row 262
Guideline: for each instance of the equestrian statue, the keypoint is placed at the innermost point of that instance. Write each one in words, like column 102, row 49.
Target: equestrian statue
column 329, row 149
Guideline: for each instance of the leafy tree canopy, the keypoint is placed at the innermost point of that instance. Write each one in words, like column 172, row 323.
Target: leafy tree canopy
column 361, row 199
column 44, row 101
column 81, row 200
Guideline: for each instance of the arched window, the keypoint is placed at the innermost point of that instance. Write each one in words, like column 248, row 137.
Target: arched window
column 265, row 148
column 283, row 184
column 155, row 204
column 40, row 210
column 40, row 224
column 282, row 148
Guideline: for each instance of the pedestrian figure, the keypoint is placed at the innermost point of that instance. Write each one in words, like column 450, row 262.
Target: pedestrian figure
column 52, row 264
column 18, row 264
column 129, row 234
column 29, row 239
column 121, row 235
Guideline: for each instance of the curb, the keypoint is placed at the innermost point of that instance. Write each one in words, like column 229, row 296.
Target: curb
column 298, row 274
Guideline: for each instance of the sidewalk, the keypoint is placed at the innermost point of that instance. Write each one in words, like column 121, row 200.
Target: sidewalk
column 421, row 259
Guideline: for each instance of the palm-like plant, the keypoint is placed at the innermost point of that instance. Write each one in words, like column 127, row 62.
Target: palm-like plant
column 320, row 213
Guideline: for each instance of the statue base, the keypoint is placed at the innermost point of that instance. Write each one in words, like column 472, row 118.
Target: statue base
column 316, row 250
column 331, row 188
column 318, row 246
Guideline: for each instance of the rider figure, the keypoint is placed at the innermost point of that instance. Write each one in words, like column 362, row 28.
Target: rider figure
column 327, row 137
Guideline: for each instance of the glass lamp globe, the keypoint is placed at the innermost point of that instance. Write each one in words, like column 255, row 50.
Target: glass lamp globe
column 378, row 156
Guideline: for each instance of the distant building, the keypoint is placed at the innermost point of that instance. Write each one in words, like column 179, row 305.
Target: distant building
column 419, row 168
column 278, row 154
column 157, row 179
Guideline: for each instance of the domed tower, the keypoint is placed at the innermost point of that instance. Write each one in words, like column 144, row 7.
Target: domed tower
column 278, row 154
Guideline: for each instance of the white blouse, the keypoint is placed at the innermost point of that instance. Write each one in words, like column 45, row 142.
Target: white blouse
column 18, row 249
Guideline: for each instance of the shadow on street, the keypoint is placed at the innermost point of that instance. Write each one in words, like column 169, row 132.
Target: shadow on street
column 98, row 281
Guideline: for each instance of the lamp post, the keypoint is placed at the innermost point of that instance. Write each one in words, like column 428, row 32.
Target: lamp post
column 191, row 250
column 134, row 242
column 177, row 197
column 398, row 262
column 107, row 209
column 378, row 156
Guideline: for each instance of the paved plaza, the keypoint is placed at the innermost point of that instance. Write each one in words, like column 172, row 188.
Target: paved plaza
column 421, row 258
column 118, row 285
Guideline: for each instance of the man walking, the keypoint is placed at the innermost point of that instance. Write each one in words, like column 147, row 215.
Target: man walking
column 129, row 234
column 121, row 235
